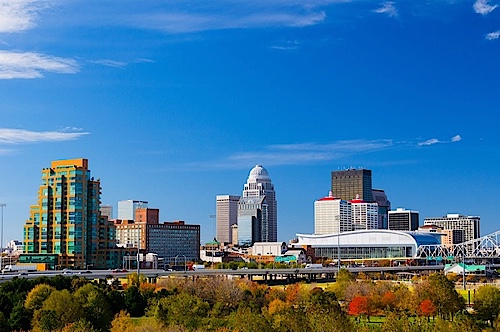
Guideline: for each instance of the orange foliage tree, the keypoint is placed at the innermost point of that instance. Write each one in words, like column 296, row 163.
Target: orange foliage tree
column 427, row 308
column 360, row 305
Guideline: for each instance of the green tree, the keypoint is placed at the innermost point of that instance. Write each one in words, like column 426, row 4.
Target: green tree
column 247, row 320
column 343, row 280
column 182, row 309
column 36, row 297
column 58, row 310
column 487, row 303
column 95, row 306
column 134, row 302
column 47, row 321
column 135, row 280
column 20, row 318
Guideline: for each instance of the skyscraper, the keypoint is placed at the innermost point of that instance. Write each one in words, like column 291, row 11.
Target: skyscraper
column 403, row 220
column 65, row 228
column 332, row 215
column 347, row 184
column 226, row 217
column 126, row 208
column 257, row 208
column 384, row 206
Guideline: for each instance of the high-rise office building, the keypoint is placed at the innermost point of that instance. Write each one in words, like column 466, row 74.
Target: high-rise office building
column 226, row 216
column 384, row 206
column 364, row 215
column 126, row 208
column 259, row 184
column 469, row 224
column 332, row 215
column 252, row 211
column 403, row 220
column 65, row 228
column 257, row 208
column 347, row 184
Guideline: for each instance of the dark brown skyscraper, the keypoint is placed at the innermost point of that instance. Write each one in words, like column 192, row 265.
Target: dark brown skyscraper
column 349, row 183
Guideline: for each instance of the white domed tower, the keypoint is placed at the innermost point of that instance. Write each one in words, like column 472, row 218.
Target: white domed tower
column 259, row 188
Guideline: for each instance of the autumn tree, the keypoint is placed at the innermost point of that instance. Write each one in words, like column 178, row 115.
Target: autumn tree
column 122, row 323
column 388, row 300
column 360, row 305
column 427, row 308
column 79, row 326
column 441, row 291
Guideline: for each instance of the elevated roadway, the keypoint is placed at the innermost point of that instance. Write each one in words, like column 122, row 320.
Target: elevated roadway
column 265, row 274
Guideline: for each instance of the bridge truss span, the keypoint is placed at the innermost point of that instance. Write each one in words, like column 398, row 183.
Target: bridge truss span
column 487, row 246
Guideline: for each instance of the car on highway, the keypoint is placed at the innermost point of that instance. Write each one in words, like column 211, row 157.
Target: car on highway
column 85, row 272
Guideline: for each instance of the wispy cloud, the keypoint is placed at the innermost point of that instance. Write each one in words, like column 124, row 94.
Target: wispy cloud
column 110, row 63
column 432, row 141
column 176, row 18
column 302, row 153
column 32, row 65
column 185, row 23
column 287, row 45
column 493, row 35
column 483, row 7
column 20, row 15
column 387, row 8
column 120, row 64
column 16, row 136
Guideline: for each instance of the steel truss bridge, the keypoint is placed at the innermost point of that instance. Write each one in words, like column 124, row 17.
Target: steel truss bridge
column 484, row 248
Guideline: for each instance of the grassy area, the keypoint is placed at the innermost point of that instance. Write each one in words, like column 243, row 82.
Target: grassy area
column 465, row 294
column 143, row 321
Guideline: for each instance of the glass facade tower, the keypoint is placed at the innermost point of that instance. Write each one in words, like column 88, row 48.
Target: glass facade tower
column 65, row 228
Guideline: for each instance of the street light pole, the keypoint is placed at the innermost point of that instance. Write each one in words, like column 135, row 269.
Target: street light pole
column 138, row 255
column 2, row 205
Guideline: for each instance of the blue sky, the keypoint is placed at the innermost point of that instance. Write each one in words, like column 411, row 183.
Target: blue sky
column 174, row 102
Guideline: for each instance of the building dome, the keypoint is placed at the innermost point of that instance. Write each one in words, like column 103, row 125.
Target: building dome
column 258, row 173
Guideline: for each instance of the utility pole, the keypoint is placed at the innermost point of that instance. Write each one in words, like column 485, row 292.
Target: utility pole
column 213, row 216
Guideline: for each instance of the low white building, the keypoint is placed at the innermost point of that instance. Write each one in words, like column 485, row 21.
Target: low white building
column 366, row 244
column 269, row 248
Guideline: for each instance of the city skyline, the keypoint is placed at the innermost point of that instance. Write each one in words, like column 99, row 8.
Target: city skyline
column 175, row 103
